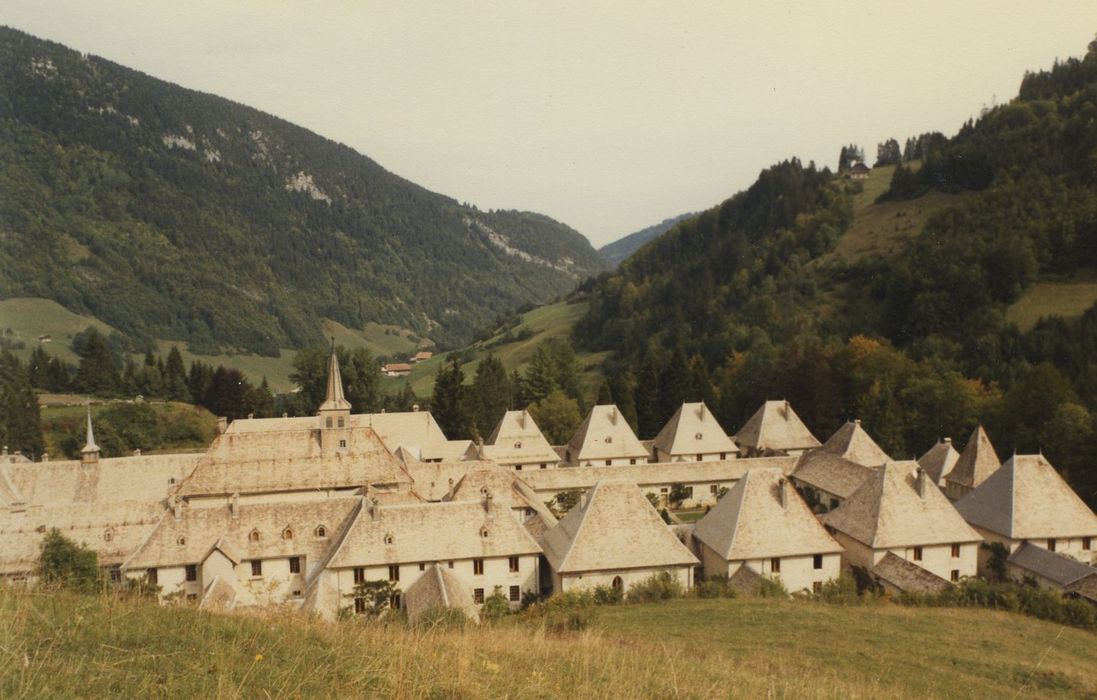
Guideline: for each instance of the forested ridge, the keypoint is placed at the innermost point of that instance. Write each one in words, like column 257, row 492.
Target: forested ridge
column 174, row 214
column 743, row 303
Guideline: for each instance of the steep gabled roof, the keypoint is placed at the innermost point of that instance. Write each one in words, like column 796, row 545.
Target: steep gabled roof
column 830, row 473
column 853, row 443
column 775, row 427
column 908, row 576
column 939, row 460
column 1028, row 499
column 693, row 430
column 977, row 462
column 518, row 440
column 614, row 527
column 1051, row 565
column 416, row 431
column 437, row 589
column 755, row 520
column 432, row 532
column 897, row 507
column 605, row 434
column 333, row 398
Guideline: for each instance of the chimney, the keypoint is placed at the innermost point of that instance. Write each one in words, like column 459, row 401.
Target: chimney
column 177, row 507
column 137, row 452
column 489, row 498
column 449, row 491
column 285, row 415
column 234, row 505
column 415, row 408
column 374, row 510
column 613, row 415
column 251, row 416
column 701, row 411
column 923, row 482
column 222, row 425
column 479, row 448
column 947, row 441
column 782, row 493
column 857, row 421
column 45, row 456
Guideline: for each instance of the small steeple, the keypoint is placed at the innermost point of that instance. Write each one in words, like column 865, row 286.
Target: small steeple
column 90, row 453
column 334, row 400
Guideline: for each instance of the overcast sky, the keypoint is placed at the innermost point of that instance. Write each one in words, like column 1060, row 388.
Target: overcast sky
column 607, row 116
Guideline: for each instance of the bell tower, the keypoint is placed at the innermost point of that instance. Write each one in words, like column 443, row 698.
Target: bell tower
column 89, row 456
column 334, row 413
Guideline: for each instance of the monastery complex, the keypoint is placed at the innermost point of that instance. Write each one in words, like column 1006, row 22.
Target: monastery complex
column 303, row 512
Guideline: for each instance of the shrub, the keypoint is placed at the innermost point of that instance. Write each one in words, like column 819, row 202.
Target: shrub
column 715, row 587
column 377, row 596
column 1079, row 613
column 772, row 587
column 495, row 606
column 841, row 590
column 608, row 595
column 571, row 611
column 66, row 564
column 660, row 586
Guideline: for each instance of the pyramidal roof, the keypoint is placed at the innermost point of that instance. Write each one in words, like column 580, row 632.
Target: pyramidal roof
column 693, row 430
column 334, row 400
column 775, row 426
column 605, row 434
column 1028, row 499
column 518, row 439
column 853, row 443
column 613, row 527
column 977, row 462
column 939, row 460
column 763, row 516
column 438, row 588
column 899, row 506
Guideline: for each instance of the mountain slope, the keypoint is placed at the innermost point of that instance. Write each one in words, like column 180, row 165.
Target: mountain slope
column 174, row 214
column 615, row 253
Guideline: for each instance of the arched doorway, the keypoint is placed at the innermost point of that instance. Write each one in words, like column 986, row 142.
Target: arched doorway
column 618, row 584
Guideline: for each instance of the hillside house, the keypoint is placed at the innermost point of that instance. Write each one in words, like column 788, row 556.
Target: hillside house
column 604, row 439
column 975, row 465
column 396, row 369
column 764, row 525
column 693, row 435
column 614, row 537
column 901, row 512
column 859, row 171
column 774, row 430
column 1026, row 500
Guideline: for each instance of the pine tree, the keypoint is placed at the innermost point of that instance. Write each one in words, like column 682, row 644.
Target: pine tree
column 491, row 394
column 20, row 421
column 99, row 369
column 175, row 377
column 450, row 403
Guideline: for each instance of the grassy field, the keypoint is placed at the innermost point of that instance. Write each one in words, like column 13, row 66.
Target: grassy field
column 28, row 319
column 59, row 419
column 1069, row 299
column 59, row 645
column 554, row 320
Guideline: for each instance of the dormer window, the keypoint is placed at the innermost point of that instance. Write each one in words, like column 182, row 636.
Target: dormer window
column 253, row 536
column 609, row 439
column 108, row 535
column 287, row 534
column 517, row 444
column 698, row 436
column 321, row 531
column 388, row 538
column 181, row 541
column 484, row 532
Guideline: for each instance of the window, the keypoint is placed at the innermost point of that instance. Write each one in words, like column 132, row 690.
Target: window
column 287, row 534
column 723, row 456
column 327, row 423
column 632, row 461
column 359, row 605
column 544, row 466
column 955, row 551
column 181, row 541
column 817, row 561
column 394, row 601
column 359, row 576
column 253, row 536
column 321, row 531
column 295, row 565
column 478, row 595
column 192, row 572
column 664, row 489
column 478, row 567
column 1051, row 545
column 517, row 467
column 296, row 594
column 341, row 422
column 513, row 561
column 713, row 489
column 484, row 532
column 150, row 574
column 108, row 535
column 917, row 554
column 954, row 575
column 256, row 567
column 817, row 587
column 700, row 458
column 451, row 565
column 342, row 443
column 422, row 566
column 388, row 538
column 775, row 565
column 115, row 575
column 192, row 597
column 1087, row 544
column 609, row 462
column 515, row 594
column 394, row 572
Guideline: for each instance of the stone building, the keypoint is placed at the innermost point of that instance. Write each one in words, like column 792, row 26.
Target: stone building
column 773, row 430
column 974, row 466
column 517, row 442
column 693, row 435
column 604, row 439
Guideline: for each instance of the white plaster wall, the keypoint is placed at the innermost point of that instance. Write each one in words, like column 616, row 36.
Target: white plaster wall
column 797, row 573
column 593, row 579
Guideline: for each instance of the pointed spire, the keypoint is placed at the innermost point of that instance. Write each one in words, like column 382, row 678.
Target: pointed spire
column 90, row 453
column 334, row 399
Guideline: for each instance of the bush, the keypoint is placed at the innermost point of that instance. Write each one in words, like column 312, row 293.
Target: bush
column 608, row 595
column 495, row 607
column 571, row 611
column 660, row 586
column 66, row 564
column 841, row 591
column 772, row 587
column 715, row 587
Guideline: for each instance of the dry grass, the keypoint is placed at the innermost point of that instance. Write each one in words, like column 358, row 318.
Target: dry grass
column 1068, row 299
column 57, row 645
